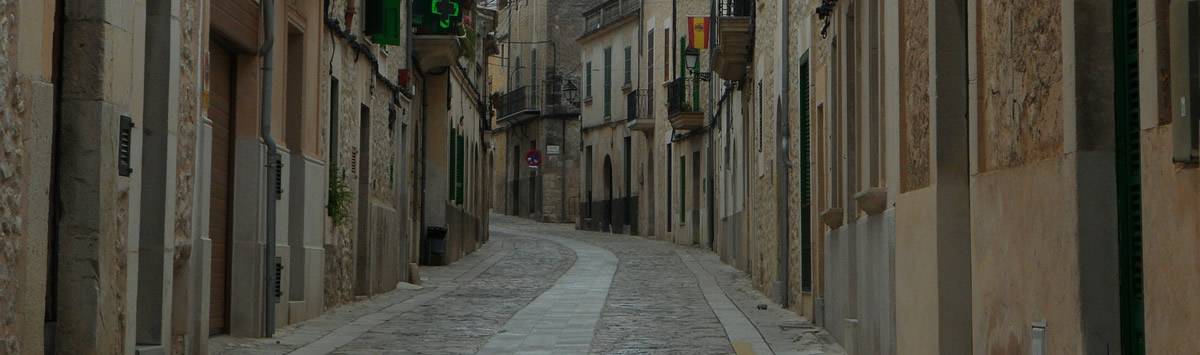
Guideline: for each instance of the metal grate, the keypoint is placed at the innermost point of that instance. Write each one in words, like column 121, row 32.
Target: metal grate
column 125, row 146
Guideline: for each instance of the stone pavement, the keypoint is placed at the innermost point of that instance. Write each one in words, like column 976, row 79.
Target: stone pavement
column 549, row 289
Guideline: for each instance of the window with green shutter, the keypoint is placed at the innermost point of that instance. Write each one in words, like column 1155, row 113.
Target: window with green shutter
column 1129, row 171
column 628, row 65
column 683, row 189
column 805, row 179
column 460, row 178
column 453, row 140
column 608, row 82
column 383, row 21
column 588, row 91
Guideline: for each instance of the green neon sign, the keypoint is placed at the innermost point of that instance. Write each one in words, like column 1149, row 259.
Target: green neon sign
column 437, row 16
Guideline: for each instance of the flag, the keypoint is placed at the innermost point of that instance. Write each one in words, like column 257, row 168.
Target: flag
column 698, row 32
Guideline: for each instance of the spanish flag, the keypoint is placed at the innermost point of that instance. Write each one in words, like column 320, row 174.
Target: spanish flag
column 698, row 32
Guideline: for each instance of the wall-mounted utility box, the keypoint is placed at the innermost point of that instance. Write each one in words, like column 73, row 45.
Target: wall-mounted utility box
column 1038, row 334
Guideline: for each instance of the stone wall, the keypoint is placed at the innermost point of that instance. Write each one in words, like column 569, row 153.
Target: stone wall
column 914, row 101
column 761, row 102
column 1020, row 78
column 358, row 85
column 13, row 187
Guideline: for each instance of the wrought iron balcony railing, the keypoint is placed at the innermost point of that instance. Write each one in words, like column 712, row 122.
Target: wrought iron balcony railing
column 608, row 12
column 516, row 101
column 735, row 8
column 638, row 105
column 683, row 95
column 553, row 97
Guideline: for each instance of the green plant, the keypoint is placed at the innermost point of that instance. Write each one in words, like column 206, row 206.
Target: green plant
column 338, row 207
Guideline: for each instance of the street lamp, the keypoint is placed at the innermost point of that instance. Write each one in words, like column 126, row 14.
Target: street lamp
column 691, row 58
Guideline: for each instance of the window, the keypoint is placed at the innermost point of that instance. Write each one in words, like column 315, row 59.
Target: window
column 587, row 166
column 517, row 72
column 669, row 183
column 608, row 82
column 683, row 189
column 628, row 65
column 453, row 185
column 333, row 123
column 588, row 92
column 666, row 58
column 650, row 72
column 628, row 180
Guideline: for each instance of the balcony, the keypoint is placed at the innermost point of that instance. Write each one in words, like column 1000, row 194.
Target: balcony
column 436, row 52
column 607, row 13
column 519, row 104
column 639, row 114
column 735, row 38
column 683, row 104
column 436, row 29
column 553, row 99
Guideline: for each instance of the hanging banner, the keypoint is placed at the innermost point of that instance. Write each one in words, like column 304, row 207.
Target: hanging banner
column 698, row 32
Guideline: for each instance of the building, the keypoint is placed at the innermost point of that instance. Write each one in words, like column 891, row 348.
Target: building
column 611, row 172
column 943, row 167
column 174, row 170
column 537, row 108
column 454, row 154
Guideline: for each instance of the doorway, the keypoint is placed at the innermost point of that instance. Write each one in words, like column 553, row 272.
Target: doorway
column 220, row 110
column 363, row 242
column 696, row 182
column 607, row 221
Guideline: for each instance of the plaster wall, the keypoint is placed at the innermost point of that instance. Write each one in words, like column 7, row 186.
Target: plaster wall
column 1171, row 206
column 362, row 254
column 1024, row 250
column 916, row 273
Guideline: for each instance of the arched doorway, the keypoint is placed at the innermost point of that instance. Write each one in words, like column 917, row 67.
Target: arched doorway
column 608, row 195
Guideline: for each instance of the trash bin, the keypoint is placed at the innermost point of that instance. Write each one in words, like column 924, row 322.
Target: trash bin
column 436, row 236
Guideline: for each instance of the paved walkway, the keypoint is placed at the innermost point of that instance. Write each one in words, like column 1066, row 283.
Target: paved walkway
column 563, row 319
column 549, row 289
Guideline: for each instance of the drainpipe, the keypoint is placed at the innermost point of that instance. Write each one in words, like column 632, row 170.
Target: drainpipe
column 272, row 195
column 781, row 161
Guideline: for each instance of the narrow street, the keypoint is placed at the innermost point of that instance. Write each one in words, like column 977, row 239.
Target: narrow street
column 547, row 288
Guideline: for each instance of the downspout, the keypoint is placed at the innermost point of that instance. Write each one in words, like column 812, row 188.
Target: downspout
column 781, row 162
column 272, row 194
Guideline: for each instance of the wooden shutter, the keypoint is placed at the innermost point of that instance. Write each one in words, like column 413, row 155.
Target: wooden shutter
column 1129, row 186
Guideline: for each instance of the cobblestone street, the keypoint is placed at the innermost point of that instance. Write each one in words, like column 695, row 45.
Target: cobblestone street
column 545, row 288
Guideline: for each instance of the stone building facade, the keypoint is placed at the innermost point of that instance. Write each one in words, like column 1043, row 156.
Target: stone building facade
column 609, row 193
column 135, row 174
column 536, row 108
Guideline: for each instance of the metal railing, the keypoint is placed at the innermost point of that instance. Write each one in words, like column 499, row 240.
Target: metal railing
column 609, row 12
column 638, row 106
column 515, row 101
column 735, row 8
column 683, row 95
column 550, row 98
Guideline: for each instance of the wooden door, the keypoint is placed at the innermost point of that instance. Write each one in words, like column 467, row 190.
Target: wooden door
column 220, row 111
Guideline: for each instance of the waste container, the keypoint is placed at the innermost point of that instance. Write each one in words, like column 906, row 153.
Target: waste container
column 437, row 245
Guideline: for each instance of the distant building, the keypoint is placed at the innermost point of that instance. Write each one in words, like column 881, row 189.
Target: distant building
column 612, row 171
column 537, row 107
